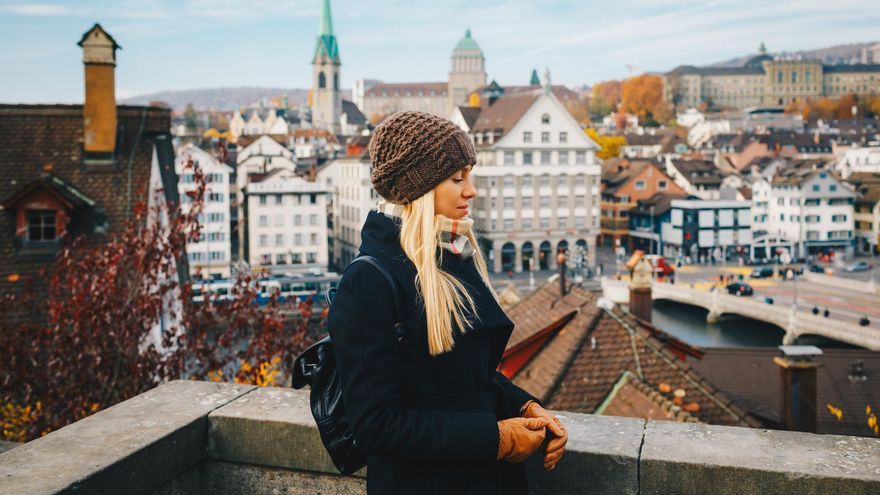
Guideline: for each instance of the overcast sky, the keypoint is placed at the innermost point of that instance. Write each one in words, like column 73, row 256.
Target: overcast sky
column 186, row 44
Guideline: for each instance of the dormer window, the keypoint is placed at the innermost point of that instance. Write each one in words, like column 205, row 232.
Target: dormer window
column 41, row 226
column 545, row 119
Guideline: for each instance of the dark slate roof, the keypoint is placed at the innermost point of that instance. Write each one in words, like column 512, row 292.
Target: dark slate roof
column 751, row 378
column 470, row 115
column 842, row 69
column 410, row 88
column 353, row 113
column 718, row 71
column 661, row 202
column 698, row 171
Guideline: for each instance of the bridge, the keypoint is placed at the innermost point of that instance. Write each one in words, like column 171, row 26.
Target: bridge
column 794, row 323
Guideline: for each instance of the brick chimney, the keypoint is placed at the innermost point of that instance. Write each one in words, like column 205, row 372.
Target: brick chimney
column 561, row 260
column 797, row 365
column 640, row 303
column 99, row 109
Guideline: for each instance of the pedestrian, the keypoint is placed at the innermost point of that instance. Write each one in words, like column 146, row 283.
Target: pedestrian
column 826, row 313
column 428, row 410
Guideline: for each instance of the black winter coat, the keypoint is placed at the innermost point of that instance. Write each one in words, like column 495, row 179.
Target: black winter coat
column 427, row 424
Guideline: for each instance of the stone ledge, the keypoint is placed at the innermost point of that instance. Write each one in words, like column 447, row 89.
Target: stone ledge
column 132, row 447
column 690, row 458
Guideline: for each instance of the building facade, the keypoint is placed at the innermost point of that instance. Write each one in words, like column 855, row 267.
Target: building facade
column 765, row 80
column 286, row 223
column 707, row 229
column 537, row 180
column 210, row 256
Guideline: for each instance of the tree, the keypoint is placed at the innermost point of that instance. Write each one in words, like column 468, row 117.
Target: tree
column 605, row 98
column 579, row 108
column 642, row 95
column 609, row 145
column 115, row 321
column 190, row 118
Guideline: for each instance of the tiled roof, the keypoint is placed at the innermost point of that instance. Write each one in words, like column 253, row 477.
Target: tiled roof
column 401, row 89
column 752, row 379
column 634, row 398
column 33, row 137
column 698, row 171
column 504, row 113
column 625, row 343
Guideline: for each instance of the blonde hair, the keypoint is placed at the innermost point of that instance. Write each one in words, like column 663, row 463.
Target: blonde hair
column 443, row 295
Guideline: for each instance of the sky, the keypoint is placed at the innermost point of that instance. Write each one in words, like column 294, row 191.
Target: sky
column 189, row 44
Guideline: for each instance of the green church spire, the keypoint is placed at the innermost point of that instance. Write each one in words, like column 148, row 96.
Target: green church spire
column 326, row 46
column 535, row 81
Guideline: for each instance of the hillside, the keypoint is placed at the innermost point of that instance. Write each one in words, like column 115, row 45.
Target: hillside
column 838, row 54
column 226, row 99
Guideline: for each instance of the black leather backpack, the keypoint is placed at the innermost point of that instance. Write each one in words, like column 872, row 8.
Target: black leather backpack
column 316, row 366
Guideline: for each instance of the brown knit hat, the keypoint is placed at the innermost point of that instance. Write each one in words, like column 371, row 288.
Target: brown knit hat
column 412, row 152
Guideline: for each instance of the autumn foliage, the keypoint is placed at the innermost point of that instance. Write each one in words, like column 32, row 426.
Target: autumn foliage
column 112, row 320
column 836, row 108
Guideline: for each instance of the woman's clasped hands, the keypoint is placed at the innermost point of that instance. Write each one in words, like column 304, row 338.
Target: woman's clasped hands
column 556, row 445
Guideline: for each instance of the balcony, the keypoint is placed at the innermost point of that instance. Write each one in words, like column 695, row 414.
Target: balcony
column 191, row 437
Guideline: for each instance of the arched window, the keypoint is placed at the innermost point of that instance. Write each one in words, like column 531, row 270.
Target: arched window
column 545, row 119
column 322, row 80
column 335, row 82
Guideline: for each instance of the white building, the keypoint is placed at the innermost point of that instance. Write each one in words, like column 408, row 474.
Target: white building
column 808, row 210
column 286, row 222
column 210, row 256
column 703, row 229
column 353, row 198
column 537, row 180
column 859, row 160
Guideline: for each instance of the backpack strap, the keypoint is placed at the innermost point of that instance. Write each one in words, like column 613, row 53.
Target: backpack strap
column 399, row 328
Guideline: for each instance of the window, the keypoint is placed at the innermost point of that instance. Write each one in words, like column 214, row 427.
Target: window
column 793, row 76
column 279, row 239
column 563, row 158
column 812, row 202
column 215, row 197
column 562, row 222
column 545, row 158
column 815, row 187
column 527, row 224
column 41, row 225
column 545, row 180
column 780, row 201
column 580, row 200
column 812, row 218
column 216, row 217
column 264, row 220
column 563, row 137
column 580, row 179
column 838, row 218
column 580, row 157
column 640, row 185
column 527, row 136
column 297, row 239
column 580, row 222
column 279, row 199
column 832, row 187
column 313, row 198
column 562, row 180
column 527, row 157
column 262, row 200
column 280, row 259
column 264, row 240
column 545, row 201
column 545, row 137
column 508, row 224
column 296, row 258
column 527, row 202
column 279, row 220
column 545, row 119
column 527, row 180
column 508, row 180
column 508, row 202
column 313, row 219
column 217, row 256
column 661, row 184
column 545, row 223
column 297, row 219
column 313, row 239
column 508, row 158
column 311, row 257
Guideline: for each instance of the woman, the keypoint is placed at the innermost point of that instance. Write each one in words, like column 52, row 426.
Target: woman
column 430, row 411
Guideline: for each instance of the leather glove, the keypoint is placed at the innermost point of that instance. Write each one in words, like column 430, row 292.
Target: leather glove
column 519, row 437
column 559, row 437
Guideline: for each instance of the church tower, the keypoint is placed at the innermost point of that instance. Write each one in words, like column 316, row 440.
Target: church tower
column 468, row 72
column 326, row 106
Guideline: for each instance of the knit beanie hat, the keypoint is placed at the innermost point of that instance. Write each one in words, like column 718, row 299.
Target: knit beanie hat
column 412, row 152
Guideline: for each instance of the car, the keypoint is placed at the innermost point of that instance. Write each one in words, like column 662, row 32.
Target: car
column 798, row 269
column 817, row 269
column 762, row 272
column 739, row 289
column 859, row 266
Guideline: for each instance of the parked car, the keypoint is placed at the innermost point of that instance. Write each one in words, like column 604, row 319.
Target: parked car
column 798, row 269
column 817, row 269
column 762, row 272
column 740, row 289
column 859, row 266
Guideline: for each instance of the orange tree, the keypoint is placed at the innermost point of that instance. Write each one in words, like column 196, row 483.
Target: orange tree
column 643, row 96
column 114, row 319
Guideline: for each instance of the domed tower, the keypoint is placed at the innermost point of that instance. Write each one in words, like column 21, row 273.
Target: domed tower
column 326, row 105
column 468, row 71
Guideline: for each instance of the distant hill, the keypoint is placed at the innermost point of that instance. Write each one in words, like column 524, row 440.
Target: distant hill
column 833, row 55
column 226, row 99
